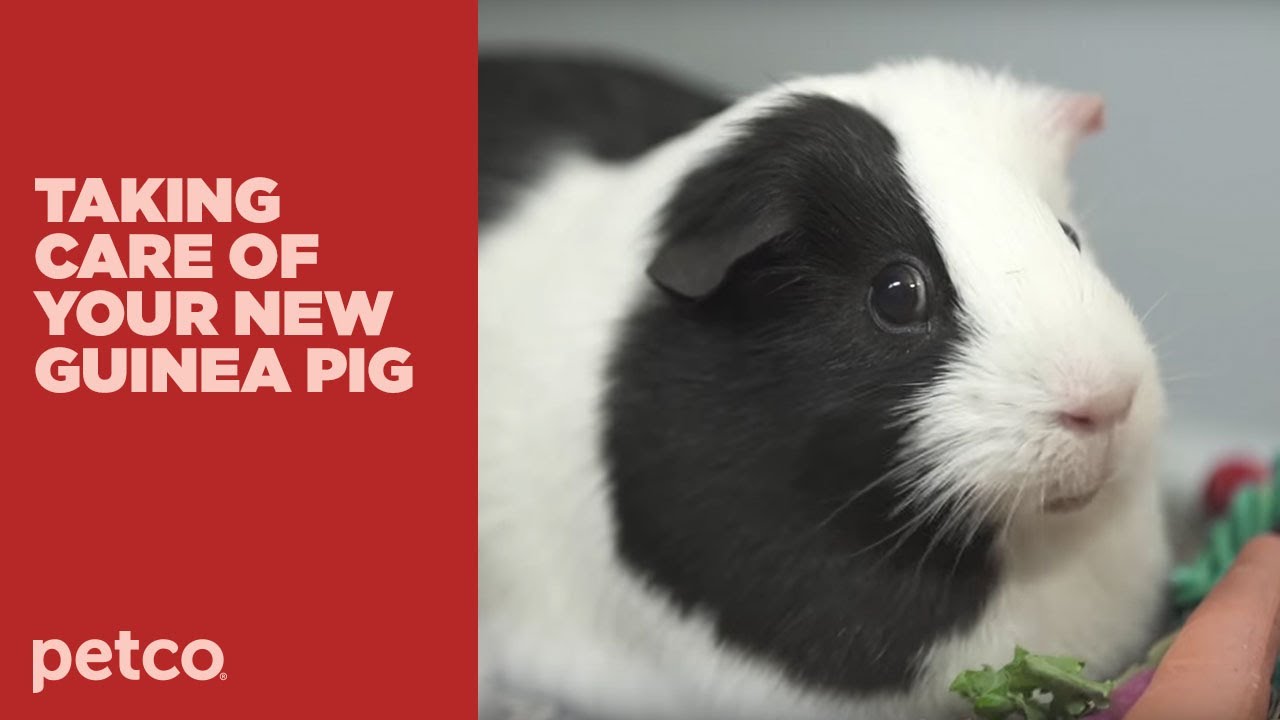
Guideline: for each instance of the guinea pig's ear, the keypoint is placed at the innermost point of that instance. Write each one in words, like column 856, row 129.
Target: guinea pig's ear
column 745, row 193
column 721, row 211
column 694, row 266
column 1079, row 115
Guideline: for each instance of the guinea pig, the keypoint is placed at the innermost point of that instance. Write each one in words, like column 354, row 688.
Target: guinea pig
column 798, row 406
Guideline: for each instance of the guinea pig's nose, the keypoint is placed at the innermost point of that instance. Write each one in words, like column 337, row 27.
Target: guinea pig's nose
column 1100, row 411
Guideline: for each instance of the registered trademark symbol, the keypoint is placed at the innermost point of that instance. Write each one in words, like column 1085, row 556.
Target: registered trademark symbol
column 222, row 676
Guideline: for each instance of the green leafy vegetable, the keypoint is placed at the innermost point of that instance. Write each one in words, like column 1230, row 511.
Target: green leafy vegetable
column 1037, row 687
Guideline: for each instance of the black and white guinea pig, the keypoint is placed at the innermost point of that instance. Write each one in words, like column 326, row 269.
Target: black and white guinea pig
column 796, row 407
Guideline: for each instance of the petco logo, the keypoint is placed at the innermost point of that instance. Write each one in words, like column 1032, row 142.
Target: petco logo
column 161, row 660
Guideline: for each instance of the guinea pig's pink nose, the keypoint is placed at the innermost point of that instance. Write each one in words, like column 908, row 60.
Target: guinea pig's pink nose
column 1101, row 411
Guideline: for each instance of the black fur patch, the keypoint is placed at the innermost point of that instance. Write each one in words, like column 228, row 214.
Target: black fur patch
column 531, row 106
column 740, row 423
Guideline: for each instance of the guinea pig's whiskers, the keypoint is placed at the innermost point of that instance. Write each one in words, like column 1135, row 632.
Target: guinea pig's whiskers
column 963, row 504
column 1157, row 344
column 1154, row 305
column 903, row 533
column 785, row 285
column 975, row 526
column 1183, row 377
column 895, row 472
column 889, row 536
column 1013, row 507
column 848, row 502
column 955, row 511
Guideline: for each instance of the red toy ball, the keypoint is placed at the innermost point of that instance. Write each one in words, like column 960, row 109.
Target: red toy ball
column 1228, row 476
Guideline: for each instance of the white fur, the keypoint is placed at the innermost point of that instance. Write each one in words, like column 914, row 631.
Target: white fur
column 562, row 620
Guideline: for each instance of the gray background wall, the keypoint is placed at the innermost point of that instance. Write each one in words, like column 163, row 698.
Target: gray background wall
column 1181, row 193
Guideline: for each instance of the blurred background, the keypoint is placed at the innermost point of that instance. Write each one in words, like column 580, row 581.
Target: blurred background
column 1180, row 194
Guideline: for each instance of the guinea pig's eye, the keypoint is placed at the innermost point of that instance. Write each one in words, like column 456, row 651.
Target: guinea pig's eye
column 898, row 297
column 1071, row 234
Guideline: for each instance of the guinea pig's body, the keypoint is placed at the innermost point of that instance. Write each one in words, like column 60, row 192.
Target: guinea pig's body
column 796, row 408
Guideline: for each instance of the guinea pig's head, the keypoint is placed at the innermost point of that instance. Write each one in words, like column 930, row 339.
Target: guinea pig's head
column 873, row 300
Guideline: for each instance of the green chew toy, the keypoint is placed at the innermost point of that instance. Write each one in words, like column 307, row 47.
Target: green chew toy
column 1254, row 510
